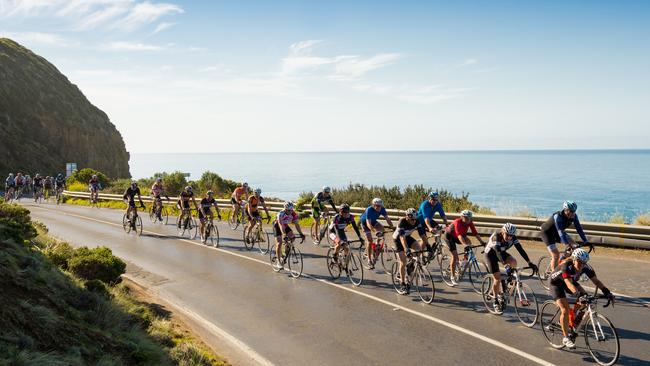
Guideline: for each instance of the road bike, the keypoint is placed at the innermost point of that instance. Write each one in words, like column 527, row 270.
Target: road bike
column 38, row 195
column 9, row 194
column 240, row 218
column 600, row 334
column 350, row 263
column 417, row 275
column 291, row 256
column 158, row 212
column 257, row 235
column 521, row 294
column 186, row 224
column 544, row 265
column 19, row 193
column 324, row 222
column 131, row 221
column 210, row 232
column 59, row 195
column 380, row 251
column 469, row 265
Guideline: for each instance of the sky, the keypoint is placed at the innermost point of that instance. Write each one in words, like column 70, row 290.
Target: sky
column 234, row 76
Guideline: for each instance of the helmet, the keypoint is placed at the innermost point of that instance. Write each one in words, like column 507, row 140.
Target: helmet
column 209, row 193
column 258, row 191
column 188, row 188
column 581, row 255
column 410, row 212
column 289, row 205
column 509, row 228
column 38, row 175
column 245, row 185
column 11, row 174
column 327, row 189
column 59, row 175
column 158, row 180
column 433, row 195
column 134, row 183
column 94, row 176
column 377, row 201
column 572, row 206
column 466, row 213
column 344, row 208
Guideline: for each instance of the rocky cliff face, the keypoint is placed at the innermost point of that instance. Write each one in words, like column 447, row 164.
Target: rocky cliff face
column 45, row 121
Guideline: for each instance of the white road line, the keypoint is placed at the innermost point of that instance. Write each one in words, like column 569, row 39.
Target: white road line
column 393, row 305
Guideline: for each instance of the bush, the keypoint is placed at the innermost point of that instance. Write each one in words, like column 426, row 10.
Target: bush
column 84, row 175
column 643, row 219
column 189, row 354
column 97, row 264
column 59, row 254
column 212, row 181
column 616, row 219
column 15, row 223
column 173, row 182
column 97, row 287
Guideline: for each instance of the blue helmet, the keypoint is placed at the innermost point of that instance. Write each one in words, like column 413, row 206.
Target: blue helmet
column 433, row 194
column 572, row 206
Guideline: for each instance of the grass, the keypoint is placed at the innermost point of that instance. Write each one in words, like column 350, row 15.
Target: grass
column 616, row 218
column 643, row 219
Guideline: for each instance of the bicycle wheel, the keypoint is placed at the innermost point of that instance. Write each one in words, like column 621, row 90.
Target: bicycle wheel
column 602, row 340
column 192, row 228
column 295, row 262
column 396, row 279
column 488, row 295
column 179, row 227
column 152, row 215
column 545, row 271
column 164, row 213
column 233, row 221
column 263, row 240
column 354, row 269
column 214, row 236
column 388, row 257
column 332, row 265
column 476, row 271
column 365, row 261
column 424, row 284
column 138, row 225
column 444, row 263
column 126, row 224
column 525, row 303
column 314, row 234
column 249, row 241
column 550, row 322
column 275, row 265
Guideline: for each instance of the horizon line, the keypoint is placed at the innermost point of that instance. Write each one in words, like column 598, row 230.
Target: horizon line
column 401, row 151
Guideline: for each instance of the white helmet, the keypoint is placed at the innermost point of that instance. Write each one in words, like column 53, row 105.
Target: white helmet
column 327, row 189
column 509, row 228
column 580, row 255
column 377, row 201
column 466, row 213
column 411, row 212
column 289, row 205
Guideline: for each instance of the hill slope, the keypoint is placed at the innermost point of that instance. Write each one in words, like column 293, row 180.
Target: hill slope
column 45, row 121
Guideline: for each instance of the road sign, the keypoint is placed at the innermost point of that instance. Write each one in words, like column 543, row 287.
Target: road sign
column 70, row 168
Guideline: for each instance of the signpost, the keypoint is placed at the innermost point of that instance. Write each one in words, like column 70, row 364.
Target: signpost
column 70, row 168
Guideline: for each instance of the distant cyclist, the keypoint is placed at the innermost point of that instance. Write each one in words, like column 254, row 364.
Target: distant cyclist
column 94, row 186
column 59, row 182
column 369, row 223
column 456, row 233
column 337, row 230
column 38, row 186
column 565, row 279
column 29, row 184
column 237, row 197
column 157, row 191
column 253, row 211
column 184, row 203
column 20, row 184
column 496, row 252
column 318, row 205
column 10, row 187
column 553, row 231
column 129, row 197
column 425, row 214
column 281, row 227
column 47, row 186
column 404, row 242
column 205, row 213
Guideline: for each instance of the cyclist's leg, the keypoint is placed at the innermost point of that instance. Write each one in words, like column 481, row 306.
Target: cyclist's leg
column 379, row 228
column 565, row 308
column 278, row 240
column 492, row 260
column 399, row 249
column 366, row 230
column 315, row 213
column 451, row 244
column 202, row 220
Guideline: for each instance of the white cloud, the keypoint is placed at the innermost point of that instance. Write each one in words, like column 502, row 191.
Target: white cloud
column 29, row 38
column 162, row 26
column 212, row 68
column 131, row 46
column 304, row 47
column 353, row 67
column 433, row 94
column 146, row 13
column 102, row 16
column 469, row 61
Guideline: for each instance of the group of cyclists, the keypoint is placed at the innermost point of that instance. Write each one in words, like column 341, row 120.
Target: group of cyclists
column 19, row 185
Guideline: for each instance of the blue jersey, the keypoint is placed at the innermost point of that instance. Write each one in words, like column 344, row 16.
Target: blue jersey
column 370, row 214
column 427, row 211
column 559, row 223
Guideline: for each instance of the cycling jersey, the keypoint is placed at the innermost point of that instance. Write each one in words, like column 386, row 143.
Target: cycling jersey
column 130, row 193
column 38, row 182
column 94, row 184
column 340, row 223
column 427, row 211
column 285, row 218
column 253, row 201
column 207, row 203
column 238, row 193
column 406, row 228
column 321, row 199
column 370, row 214
column 47, row 183
column 10, row 182
column 185, row 196
column 459, row 228
column 496, row 250
column 568, row 270
column 554, row 229
column 156, row 190
column 20, row 180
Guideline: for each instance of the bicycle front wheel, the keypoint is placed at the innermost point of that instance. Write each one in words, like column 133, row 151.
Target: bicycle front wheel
column 544, row 266
column 354, row 269
column 424, row 284
column 396, row 278
column 152, row 215
column 388, row 257
column 192, row 228
column 550, row 318
column 249, row 241
column 263, row 241
column 444, row 263
column 295, row 262
column 525, row 303
column 487, row 294
column 476, row 272
column 602, row 340
column 233, row 220
column 138, row 225
column 214, row 236
column 126, row 224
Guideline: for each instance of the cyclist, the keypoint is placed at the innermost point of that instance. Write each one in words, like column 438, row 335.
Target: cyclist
column 337, row 230
column 184, row 203
column 565, row 279
column 428, row 209
column 236, row 198
column 253, row 212
column 38, row 186
column 29, row 184
column 20, row 184
column 318, row 205
column 369, row 223
column 496, row 251
column 282, row 229
column 404, row 242
column 129, row 197
column 457, row 234
column 59, row 182
column 10, row 187
column 554, row 231
column 205, row 213
column 94, row 186
column 157, row 191
column 47, row 186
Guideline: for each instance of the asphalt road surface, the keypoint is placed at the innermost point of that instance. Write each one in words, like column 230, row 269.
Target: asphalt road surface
column 258, row 316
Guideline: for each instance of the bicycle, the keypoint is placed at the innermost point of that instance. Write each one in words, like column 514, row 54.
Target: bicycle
column 210, row 231
column 258, row 236
column 94, row 201
column 324, row 222
column 476, row 270
column 186, row 224
column 523, row 297
column 544, row 265
column 350, row 263
column 386, row 254
column 416, row 274
column 235, row 220
column 47, row 194
column 9, row 194
column 132, row 221
column 59, row 195
column 290, row 255
column 38, row 195
column 18, row 193
column 158, row 212
column 600, row 334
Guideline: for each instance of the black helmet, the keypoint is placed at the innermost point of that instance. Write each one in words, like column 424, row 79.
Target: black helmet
column 344, row 208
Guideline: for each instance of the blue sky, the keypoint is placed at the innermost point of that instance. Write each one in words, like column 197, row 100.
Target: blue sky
column 211, row 76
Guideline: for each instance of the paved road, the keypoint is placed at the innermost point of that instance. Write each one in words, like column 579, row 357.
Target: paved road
column 275, row 319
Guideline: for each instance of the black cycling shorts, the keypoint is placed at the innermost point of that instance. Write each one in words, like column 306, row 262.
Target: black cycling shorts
column 234, row 201
column 557, row 291
column 550, row 237
column 398, row 243
column 256, row 214
column 492, row 259
column 452, row 241
column 131, row 203
column 278, row 232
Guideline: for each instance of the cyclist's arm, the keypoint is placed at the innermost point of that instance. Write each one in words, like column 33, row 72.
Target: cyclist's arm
column 332, row 203
column 575, row 288
column 388, row 220
column 579, row 229
column 475, row 233
column 429, row 223
column 195, row 204
column 125, row 196
column 266, row 209
column 297, row 225
column 521, row 251
column 441, row 212
column 356, row 230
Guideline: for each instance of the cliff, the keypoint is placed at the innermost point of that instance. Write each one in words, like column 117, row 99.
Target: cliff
column 46, row 121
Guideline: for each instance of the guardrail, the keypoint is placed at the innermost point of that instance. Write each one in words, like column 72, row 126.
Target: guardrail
column 614, row 235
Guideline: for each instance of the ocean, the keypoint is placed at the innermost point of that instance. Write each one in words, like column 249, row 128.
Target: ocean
column 602, row 182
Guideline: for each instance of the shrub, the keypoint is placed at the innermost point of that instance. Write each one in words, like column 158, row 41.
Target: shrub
column 15, row 223
column 97, row 287
column 59, row 254
column 97, row 263
column 189, row 354
column 616, row 219
column 77, row 187
column 84, row 175
column 173, row 182
column 643, row 219
column 212, row 181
